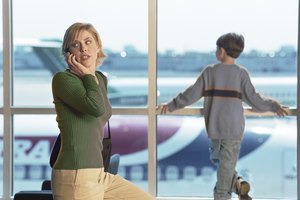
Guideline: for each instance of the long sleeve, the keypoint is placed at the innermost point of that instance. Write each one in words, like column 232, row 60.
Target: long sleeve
column 82, row 109
column 79, row 94
column 254, row 99
column 192, row 94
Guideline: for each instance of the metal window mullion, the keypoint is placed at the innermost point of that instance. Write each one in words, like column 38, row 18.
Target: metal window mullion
column 152, row 120
column 298, row 103
column 7, row 116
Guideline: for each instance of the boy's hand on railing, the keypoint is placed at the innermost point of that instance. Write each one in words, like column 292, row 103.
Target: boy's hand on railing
column 282, row 111
column 163, row 107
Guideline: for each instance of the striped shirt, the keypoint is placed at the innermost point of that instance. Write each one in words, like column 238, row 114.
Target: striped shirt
column 224, row 88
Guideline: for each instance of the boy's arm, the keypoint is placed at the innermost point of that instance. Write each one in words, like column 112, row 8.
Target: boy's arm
column 192, row 94
column 256, row 101
column 82, row 96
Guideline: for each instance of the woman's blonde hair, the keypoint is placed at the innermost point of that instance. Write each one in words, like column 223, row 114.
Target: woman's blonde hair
column 73, row 31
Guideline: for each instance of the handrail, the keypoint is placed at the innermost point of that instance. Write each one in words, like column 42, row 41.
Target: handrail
column 247, row 111
column 292, row 111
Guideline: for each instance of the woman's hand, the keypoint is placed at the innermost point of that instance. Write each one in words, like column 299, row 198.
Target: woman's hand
column 76, row 67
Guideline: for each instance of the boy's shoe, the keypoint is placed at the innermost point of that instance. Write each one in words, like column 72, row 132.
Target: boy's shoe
column 243, row 188
column 245, row 197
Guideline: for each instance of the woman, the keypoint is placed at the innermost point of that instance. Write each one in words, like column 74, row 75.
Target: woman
column 83, row 109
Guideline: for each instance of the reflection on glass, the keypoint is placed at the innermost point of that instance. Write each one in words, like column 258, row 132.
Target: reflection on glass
column 35, row 61
column 267, row 157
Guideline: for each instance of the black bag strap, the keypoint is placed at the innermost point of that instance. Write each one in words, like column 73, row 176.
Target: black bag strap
column 104, row 78
column 55, row 151
column 108, row 130
column 105, row 81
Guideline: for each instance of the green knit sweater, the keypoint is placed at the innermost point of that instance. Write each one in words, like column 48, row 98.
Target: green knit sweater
column 82, row 111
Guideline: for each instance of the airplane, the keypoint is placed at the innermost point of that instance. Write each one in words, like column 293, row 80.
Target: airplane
column 182, row 147
column 267, row 159
column 268, row 153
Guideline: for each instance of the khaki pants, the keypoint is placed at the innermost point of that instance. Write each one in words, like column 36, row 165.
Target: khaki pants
column 93, row 184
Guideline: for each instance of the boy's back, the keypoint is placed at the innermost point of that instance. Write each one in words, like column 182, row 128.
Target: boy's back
column 223, row 110
column 223, row 76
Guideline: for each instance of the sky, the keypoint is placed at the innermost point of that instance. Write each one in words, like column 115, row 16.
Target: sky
column 183, row 25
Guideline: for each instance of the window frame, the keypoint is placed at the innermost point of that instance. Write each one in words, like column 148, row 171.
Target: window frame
column 8, row 110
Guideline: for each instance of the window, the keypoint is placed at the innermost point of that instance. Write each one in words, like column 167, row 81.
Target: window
column 37, row 51
column 186, row 36
column 32, row 147
column 137, row 53
column 37, row 57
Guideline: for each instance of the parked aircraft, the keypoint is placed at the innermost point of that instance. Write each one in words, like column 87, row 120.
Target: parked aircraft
column 267, row 159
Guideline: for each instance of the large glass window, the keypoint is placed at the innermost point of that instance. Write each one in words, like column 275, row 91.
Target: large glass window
column 33, row 144
column 130, row 141
column 186, row 36
column 37, row 47
column 34, row 136
column 37, row 57
column 267, row 157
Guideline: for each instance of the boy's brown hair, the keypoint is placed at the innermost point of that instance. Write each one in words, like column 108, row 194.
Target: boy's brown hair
column 232, row 43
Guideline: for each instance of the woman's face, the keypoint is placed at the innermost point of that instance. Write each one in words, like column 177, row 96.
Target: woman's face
column 85, row 48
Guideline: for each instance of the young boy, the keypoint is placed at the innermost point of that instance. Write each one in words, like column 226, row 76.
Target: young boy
column 224, row 86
